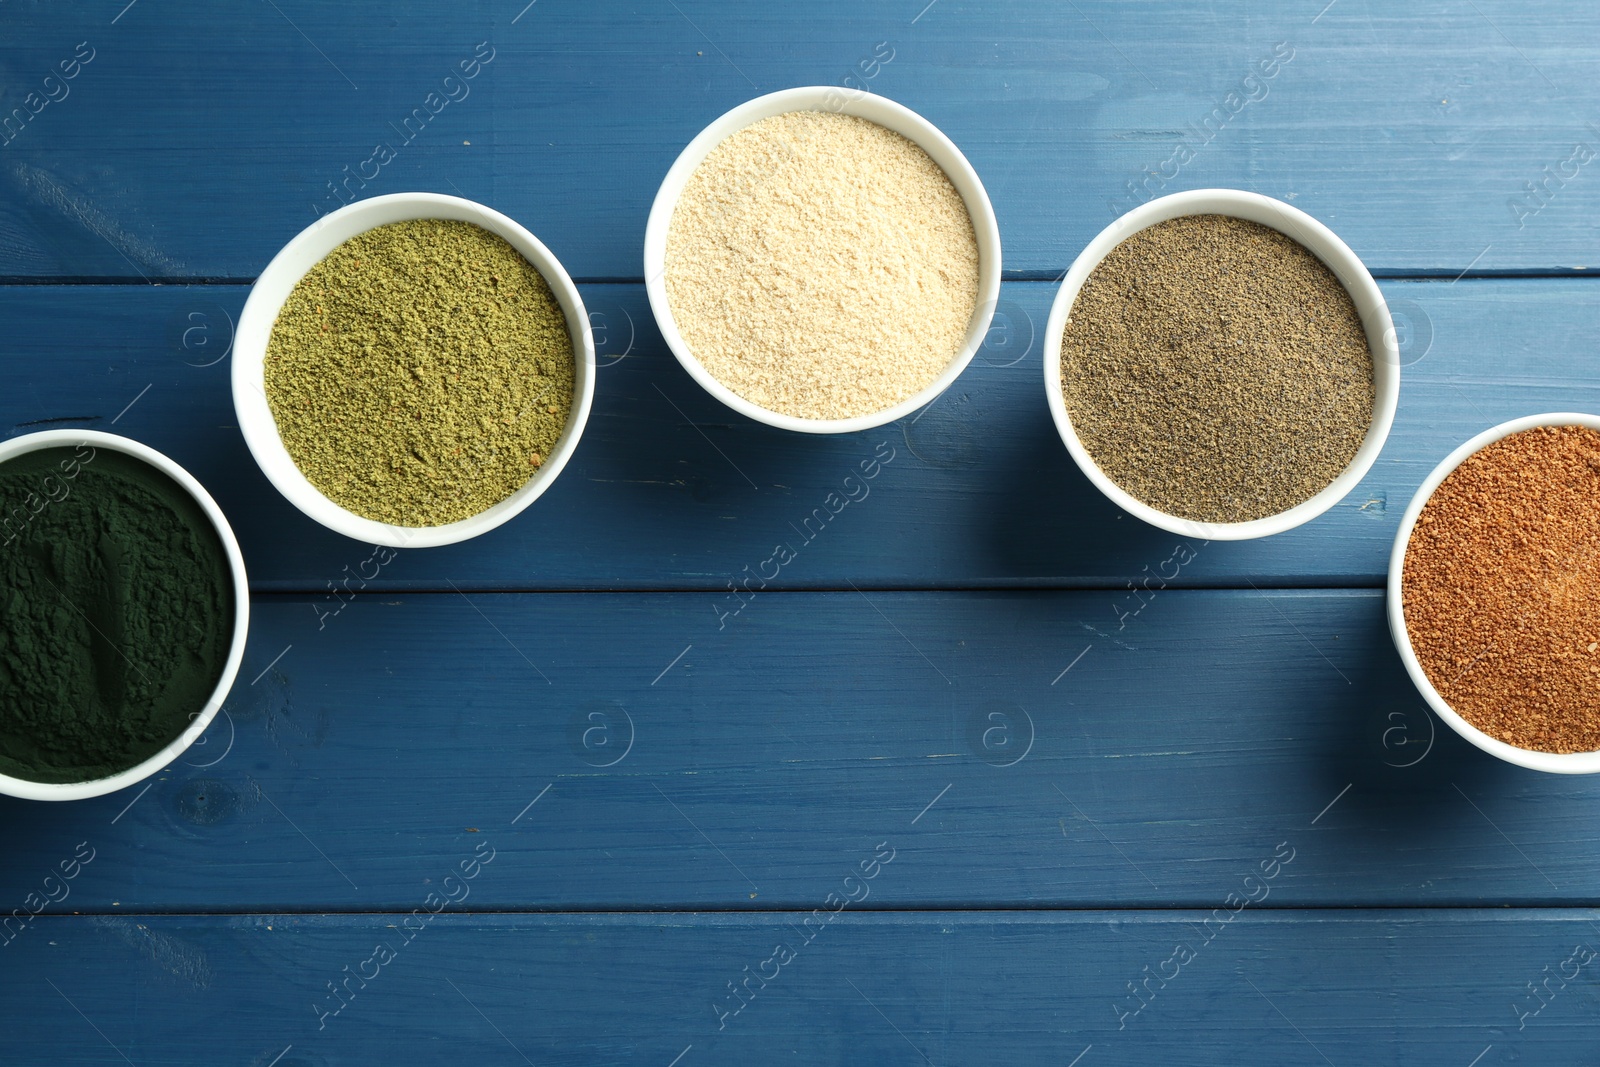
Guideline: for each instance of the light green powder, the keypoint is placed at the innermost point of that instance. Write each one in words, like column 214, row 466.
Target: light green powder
column 420, row 373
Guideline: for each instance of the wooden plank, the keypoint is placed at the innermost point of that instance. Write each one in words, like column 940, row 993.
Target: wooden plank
column 622, row 788
column 1384, row 987
column 1018, row 749
column 196, row 143
column 979, row 492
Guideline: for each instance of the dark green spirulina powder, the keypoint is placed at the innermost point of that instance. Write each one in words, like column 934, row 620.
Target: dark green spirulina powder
column 116, row 612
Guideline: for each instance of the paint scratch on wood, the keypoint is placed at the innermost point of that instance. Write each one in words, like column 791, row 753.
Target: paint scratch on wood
column 167, row 952
column 39, row 187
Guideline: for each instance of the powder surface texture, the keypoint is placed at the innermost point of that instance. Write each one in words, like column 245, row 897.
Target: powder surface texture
column 1216, row 370
column 421, row 373
column 1501, row 589
column 116, row 613
column 821, row 266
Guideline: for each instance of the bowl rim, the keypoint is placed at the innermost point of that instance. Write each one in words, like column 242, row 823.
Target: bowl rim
column 1553, row 762
column 27, row 789
column 278, row 279
column 874, row 108
column 1311, row 235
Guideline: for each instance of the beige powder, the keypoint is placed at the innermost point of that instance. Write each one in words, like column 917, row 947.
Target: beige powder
column 821, row 266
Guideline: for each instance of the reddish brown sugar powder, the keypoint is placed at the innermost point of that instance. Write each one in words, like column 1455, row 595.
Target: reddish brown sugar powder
column 1501, row 589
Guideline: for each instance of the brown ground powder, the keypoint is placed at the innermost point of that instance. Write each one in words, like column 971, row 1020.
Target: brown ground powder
column 1502, row 589
column 1217, row 370
column 821, row 266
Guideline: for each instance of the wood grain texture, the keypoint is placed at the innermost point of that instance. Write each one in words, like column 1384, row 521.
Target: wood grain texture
column 980, row 491
column 1021, row 784
column 198, row 141
column 670, row 764
column 1382, row 988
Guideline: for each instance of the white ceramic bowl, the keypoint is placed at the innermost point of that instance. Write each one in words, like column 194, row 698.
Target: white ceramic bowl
column 886, row 113
column 1556, row 762
column 1322, row 243
column 28, row 790
column 273, row 288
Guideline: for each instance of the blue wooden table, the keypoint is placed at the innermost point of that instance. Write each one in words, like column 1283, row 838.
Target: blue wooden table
column 946, row 791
